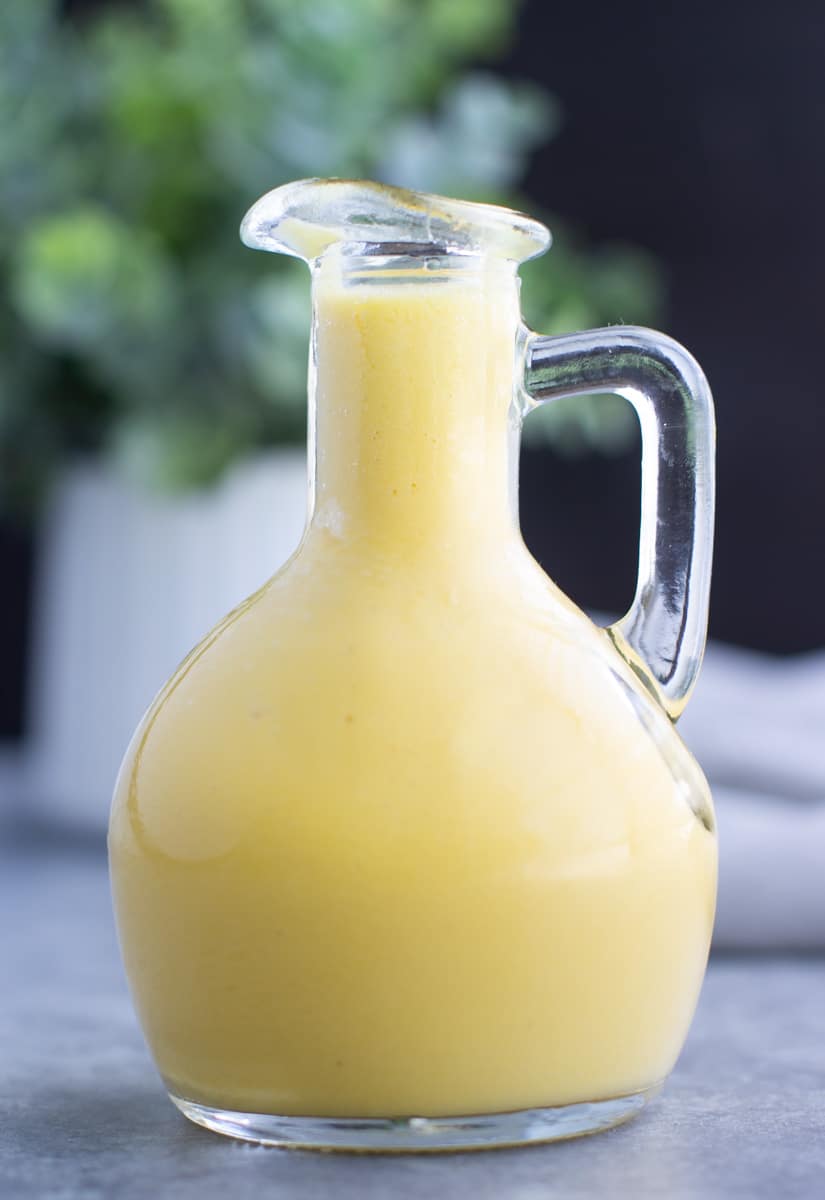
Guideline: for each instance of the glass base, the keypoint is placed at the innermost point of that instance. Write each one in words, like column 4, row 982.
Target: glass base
column 413, row 1135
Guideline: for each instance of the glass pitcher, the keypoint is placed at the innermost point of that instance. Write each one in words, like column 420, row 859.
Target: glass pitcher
column 408, row 854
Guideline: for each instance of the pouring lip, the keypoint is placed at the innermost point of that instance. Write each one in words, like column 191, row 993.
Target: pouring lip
column 306, row 218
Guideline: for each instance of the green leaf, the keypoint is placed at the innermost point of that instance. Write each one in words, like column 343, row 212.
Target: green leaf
column 477, row 145
column 83, row 276
column 165, row 454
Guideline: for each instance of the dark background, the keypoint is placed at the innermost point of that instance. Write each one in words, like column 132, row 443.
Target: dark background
column 697, row 131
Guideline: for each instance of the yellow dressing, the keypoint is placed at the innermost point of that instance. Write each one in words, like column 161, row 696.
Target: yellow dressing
column 405, row 836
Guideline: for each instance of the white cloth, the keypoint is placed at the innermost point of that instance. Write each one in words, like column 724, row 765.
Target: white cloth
column 756, row 724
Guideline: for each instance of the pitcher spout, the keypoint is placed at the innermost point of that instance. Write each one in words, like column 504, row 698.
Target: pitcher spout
column 306, row 218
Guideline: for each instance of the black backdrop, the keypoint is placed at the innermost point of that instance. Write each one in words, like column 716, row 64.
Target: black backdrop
column 697, row 130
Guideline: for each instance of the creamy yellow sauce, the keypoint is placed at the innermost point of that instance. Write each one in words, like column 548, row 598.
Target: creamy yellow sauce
column 404, row 836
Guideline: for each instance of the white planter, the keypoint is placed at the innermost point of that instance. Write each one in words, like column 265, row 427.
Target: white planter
column 126, row 584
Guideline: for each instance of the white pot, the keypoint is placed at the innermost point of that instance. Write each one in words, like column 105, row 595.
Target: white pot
column 126, row 584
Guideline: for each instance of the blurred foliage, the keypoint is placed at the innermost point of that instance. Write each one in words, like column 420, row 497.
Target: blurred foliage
column 134, row 139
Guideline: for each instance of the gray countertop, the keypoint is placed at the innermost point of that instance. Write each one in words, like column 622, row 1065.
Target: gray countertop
column 84, row 1115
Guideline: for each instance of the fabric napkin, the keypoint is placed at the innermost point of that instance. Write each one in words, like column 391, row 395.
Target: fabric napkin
column 756, row 723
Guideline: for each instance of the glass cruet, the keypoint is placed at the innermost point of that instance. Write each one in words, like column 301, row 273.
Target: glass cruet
column 408, row 854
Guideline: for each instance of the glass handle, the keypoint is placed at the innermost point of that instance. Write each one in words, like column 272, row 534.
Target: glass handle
column 663, row 634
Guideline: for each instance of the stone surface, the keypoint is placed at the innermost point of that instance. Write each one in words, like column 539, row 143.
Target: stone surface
column 83, row 1115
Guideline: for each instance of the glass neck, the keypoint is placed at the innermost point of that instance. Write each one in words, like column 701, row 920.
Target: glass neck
column 411, row 393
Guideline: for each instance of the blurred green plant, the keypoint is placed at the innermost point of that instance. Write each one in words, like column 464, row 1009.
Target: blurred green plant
column 131, row 319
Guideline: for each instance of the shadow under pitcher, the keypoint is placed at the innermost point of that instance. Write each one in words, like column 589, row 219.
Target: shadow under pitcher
column 408, row 854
